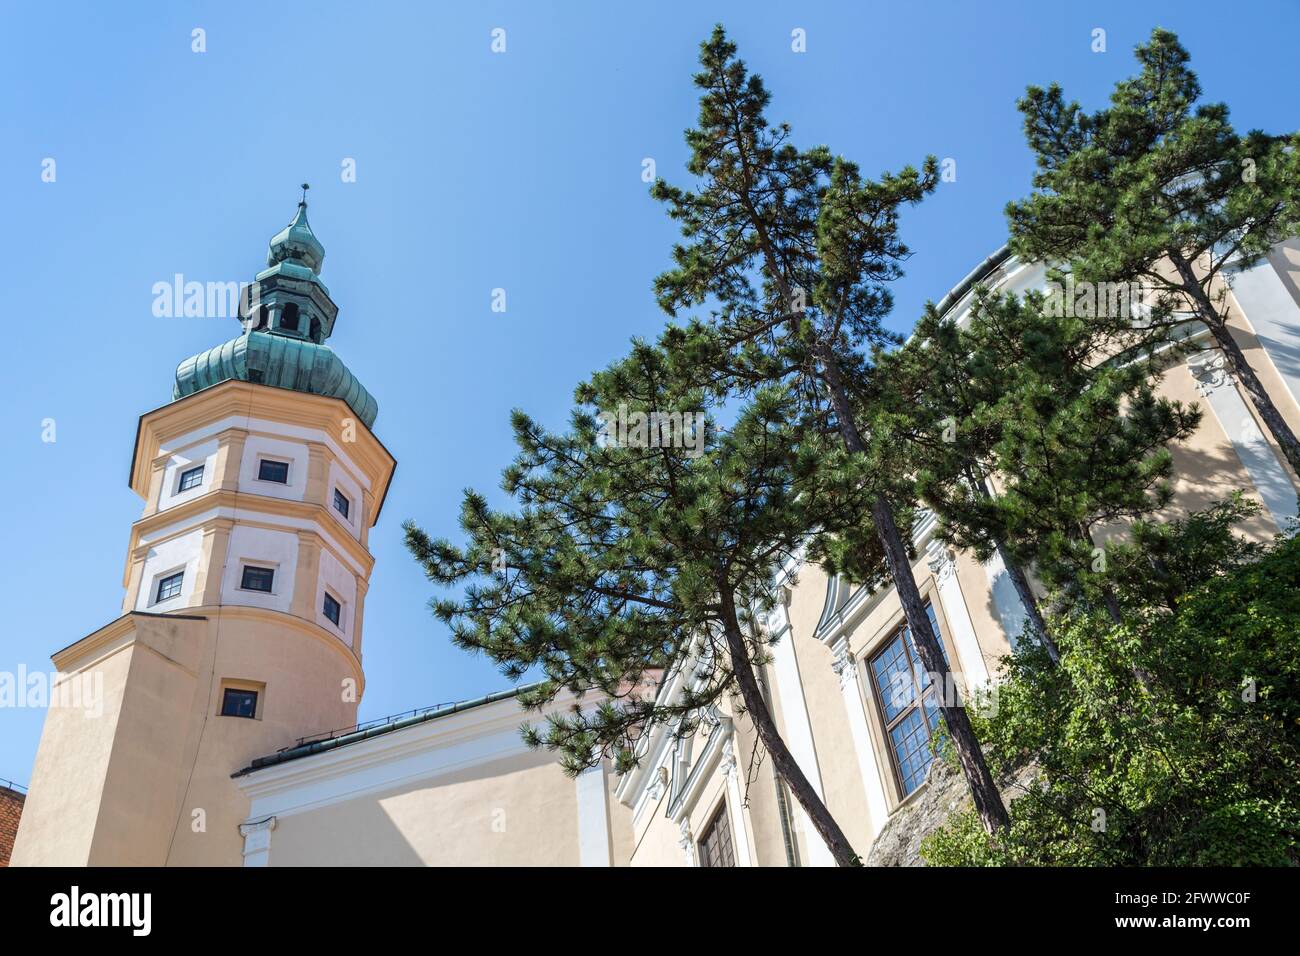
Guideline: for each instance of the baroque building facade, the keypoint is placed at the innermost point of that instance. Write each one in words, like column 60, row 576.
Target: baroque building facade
column 240, row 643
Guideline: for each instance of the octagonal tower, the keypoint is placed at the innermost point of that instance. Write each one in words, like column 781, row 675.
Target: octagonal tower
column 245, row 580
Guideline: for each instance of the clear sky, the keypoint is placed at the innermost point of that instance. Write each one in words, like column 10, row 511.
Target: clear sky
column 474, row 171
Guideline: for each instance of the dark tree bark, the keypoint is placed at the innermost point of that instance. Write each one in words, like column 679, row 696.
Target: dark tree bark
column 1259, row 397
column 988, row 802
column 984, row 793
column 1029, row 602
column 782, row 760
column 1019, row 581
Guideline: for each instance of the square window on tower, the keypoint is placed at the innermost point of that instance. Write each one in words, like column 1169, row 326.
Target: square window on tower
column 341, row 503
column 237, row 702
column 190, row 478
column 169, row 586
column 268, row 469
column 332, row 609
column 257, row 579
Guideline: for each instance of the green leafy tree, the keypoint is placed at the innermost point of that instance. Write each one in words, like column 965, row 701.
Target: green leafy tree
column 793, row 250
column 1160, row 190
column 1195, row 765
column 633, row 551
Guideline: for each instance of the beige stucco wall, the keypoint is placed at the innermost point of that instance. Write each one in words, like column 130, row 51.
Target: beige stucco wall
column 758, row 786
column 58, row 822
column 837, row 763
column 520, row 812
column 148, row 781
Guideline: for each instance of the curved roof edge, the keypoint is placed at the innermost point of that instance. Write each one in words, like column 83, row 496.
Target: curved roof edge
column 976, row 275
column 278, row 361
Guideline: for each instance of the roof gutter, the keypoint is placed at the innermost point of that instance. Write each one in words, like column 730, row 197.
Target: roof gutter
column 332, row 743
column 975, row 276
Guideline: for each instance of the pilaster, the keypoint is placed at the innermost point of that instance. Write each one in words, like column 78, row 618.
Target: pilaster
column 1214, row 380
column 736, row 803
column 855, row 705
column 257, row 841
column 230, row 457
column 304, row 585
column 971, row 658
column 216, row 546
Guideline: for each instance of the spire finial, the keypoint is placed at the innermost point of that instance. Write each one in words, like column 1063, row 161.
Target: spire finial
column 305, row 187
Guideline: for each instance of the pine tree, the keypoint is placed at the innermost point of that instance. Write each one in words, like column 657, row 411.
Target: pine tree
column 941, row 390
column 636, row 549
column 1159, row 190
column 1030, row 428
column 794, row 250
column 1071, row 426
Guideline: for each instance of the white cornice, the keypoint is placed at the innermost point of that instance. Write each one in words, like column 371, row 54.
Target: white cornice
column 701, row 771
column 435, row 747
column 272, row 429
column 834, row 622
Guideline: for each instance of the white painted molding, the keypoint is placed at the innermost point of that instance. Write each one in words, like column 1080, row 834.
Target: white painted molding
column 595, row 846
column 471, row 738
column 836, row 621
column 944, row 568
column 686, row 841
column 736, row 801
column 1273, row 314
column 855, row 705
column 1214, row 380
column 687, row 795
column 257, row 841
column 798, row 729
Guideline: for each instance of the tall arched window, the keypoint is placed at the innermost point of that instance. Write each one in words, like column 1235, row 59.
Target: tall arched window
column 315, row 329
column 263, row 316
column 289, row 317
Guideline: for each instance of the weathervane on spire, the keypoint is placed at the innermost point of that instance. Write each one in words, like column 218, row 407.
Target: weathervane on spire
column 305, row 187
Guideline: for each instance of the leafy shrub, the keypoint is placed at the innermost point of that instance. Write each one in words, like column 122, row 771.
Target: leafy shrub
column 1172, row 739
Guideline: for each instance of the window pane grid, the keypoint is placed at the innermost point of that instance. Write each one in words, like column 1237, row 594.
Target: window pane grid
column 331, row 609
column 715, row 845
column 341, row 503
column 239, row 703
column 170, row 586
column 277, row 471
column 899, row 677
column 257, row 579
column 191, row 478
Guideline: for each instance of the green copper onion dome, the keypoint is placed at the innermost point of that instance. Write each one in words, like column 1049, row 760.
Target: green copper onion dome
column 287, row 314
column 296, row 243
column 267, row 359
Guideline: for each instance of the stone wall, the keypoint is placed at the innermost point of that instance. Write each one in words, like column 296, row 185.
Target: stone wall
column 943, row 793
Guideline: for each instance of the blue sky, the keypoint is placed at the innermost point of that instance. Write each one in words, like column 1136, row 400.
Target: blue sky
column 475, row 171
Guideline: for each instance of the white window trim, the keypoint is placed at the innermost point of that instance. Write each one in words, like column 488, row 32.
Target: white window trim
column 158, row 579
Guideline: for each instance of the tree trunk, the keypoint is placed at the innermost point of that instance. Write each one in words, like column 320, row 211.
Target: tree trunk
column 1262, row 401
column 1029, row 602
column 984, row 793
column 988, row 802
column 1107, row 593
column 782, row 760
column 1019, row 580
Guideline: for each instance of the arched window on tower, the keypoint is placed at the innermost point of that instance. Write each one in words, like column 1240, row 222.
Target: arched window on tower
column 263, row 316
column 315, row 329
column 289, row 317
